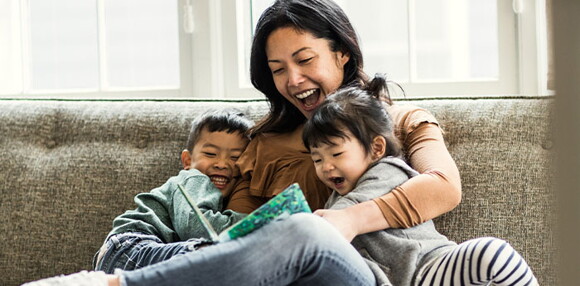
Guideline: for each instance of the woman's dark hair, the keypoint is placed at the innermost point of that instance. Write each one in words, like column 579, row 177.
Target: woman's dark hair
column 359, row 110
column 323, row 19
column 228, row 120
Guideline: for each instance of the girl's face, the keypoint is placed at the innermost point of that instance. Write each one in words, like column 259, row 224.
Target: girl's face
column 304, row 68
column 341, row 164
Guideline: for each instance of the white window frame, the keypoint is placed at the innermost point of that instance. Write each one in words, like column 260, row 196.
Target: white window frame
column 212, row 58
column 532, row 46
column 220, row 48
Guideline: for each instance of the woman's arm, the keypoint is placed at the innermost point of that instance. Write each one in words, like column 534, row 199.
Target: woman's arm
column 435, row 191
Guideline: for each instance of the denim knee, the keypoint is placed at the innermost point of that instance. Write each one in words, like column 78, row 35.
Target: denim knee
column 118, row 249
column 129, row 251
column 314, row 230
column 307, row 224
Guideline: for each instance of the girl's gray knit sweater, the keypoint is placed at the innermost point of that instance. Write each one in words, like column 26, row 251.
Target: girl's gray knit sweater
column 394, row 255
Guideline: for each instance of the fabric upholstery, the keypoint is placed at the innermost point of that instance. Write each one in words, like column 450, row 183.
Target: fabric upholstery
column 67, row 168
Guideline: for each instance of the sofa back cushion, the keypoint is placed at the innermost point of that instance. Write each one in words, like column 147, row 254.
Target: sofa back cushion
column 69, row 168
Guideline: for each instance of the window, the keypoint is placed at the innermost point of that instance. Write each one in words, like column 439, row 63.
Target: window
column 90, row 47
column 140, row 49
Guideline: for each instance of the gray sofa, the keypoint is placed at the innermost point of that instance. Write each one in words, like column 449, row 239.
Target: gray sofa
column 67, row 168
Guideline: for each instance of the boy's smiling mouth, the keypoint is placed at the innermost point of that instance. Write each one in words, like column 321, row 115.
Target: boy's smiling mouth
column 219, row 181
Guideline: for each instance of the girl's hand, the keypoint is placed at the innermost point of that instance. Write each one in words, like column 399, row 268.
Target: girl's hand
column 342, row 220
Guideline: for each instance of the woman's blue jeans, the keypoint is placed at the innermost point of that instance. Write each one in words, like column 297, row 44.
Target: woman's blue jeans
column 302, row 249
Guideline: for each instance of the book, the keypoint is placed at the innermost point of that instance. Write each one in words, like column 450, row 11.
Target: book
column 289, row 201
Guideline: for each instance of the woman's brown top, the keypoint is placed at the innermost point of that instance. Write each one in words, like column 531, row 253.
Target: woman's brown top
column 272, row 162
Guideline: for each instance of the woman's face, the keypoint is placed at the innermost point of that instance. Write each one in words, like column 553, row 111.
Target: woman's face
column 304, row 68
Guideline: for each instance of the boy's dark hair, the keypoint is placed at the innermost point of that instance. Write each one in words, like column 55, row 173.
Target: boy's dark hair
column 322, row 18
column 228, row 120
column 358, row 110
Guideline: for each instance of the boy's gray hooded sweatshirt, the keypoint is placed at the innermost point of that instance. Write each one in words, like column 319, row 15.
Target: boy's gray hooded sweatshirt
column 394, row 255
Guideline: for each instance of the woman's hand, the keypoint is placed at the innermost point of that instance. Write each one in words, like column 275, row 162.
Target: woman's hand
column 341, row 220
column 354, row 220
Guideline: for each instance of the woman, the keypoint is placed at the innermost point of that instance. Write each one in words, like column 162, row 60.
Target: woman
column 303, row 51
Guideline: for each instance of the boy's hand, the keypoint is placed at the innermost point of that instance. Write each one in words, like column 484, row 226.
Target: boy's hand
column 342, row 220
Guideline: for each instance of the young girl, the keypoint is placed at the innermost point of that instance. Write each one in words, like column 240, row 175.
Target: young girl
column 351, row 141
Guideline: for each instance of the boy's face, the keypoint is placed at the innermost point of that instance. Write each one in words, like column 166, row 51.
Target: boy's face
column 215, row 154
column 341, row 164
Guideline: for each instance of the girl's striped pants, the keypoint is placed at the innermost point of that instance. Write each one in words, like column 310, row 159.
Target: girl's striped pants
column 480, row 261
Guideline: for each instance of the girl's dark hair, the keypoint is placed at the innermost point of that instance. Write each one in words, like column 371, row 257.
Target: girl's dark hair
column 228, row 120
column 361, row 111
column 323, row 19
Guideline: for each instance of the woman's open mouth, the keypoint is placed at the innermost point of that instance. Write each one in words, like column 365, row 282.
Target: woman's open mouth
column 309, row 98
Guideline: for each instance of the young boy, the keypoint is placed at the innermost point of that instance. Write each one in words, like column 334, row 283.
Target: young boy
column 163, row 224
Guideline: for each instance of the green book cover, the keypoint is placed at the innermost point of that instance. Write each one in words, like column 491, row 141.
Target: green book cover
column 289, row 201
